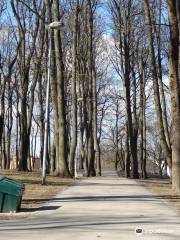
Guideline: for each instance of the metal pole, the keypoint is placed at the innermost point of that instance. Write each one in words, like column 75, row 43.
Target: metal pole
column 46, row 114
column 77, row 157
column 77, row 148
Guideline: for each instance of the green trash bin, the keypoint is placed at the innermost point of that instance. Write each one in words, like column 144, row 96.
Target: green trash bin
column 11, row 192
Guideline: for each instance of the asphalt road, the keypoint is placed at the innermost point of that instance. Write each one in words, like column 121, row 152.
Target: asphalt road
column 106, row 208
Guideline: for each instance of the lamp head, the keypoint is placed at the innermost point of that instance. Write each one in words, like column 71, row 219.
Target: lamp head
column 55, row 25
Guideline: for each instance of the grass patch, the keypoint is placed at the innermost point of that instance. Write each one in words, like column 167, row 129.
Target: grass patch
column 162, row 188
column 36, row 195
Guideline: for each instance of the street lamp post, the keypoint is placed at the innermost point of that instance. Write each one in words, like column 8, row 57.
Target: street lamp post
column 77, row 158
column 54, row 25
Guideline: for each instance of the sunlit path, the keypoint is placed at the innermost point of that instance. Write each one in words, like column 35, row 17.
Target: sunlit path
column 107, row 208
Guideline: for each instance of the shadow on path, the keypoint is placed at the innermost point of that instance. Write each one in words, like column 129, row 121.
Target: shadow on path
column 44, row 208
column 99, row 198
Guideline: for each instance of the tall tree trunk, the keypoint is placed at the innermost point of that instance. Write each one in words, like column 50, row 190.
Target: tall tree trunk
column 2, row 90
column 142, row 124
column 164, row 144
column 74, row 136
column 17, row 133
column 174, row 75
column 132, row 132
column 96, row 143
column 2, row 128
column 9, row 127
column 127, row 154
column 61, row 162
column 24, row 141
column 81, row 136
column 160, row 76
column 41, row 118
column 90, row 135
column 54, row 93
column 116, row 136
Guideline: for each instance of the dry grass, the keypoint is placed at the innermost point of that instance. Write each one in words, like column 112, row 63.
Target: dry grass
column 35, row 194
column 162, row 188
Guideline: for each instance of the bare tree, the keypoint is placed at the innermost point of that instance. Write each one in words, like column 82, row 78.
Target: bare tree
column 25, row 55
column 74, row 89
column 61, row 156
column 174, row 75
column 122, row 18
column 164, row 144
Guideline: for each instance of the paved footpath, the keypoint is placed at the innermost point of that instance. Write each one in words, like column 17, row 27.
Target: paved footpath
column 106, row 208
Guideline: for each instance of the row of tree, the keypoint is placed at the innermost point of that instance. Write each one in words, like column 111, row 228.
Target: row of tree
column 105, row 87
column 142, row 32
column 73, row 82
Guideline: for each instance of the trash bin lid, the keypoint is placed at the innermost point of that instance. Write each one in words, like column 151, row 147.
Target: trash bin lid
column 11, row 186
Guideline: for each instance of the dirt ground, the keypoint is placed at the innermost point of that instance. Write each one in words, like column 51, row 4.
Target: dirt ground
column 162, row 188
column 35, row 195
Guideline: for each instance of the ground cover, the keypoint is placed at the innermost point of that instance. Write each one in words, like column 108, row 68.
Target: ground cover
column 35, row 195
column 162, row 188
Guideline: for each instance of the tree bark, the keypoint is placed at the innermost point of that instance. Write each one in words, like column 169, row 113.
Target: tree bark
column 174, row 76
column 74, row 134
column 127, row 153
column 61, row 162
column 96, row 143
column 90, row 137
column 142, row 124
